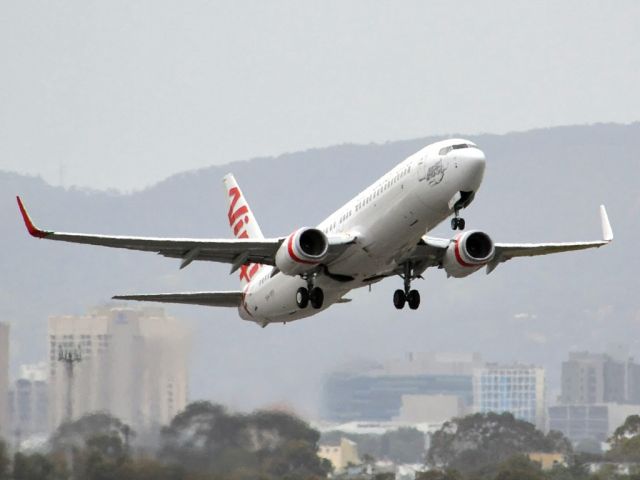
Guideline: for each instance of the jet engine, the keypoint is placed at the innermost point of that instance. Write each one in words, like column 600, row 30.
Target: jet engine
column 467, row 253
column 302, row 251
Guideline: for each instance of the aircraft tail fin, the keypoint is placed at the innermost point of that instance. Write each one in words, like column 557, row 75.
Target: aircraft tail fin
column 241, row 219
column 242, row 222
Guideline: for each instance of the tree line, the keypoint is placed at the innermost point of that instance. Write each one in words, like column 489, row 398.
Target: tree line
column 204, row 442
column 207, row 442
column 496, row 446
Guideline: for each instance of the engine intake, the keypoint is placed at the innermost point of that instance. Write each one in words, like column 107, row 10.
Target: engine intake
column 302, row 251
column 468, row 253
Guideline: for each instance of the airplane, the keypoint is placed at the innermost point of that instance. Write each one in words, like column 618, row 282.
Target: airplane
column 380, row 233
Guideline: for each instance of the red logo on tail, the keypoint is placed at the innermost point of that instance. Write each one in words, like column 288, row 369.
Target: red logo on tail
column 238, row 219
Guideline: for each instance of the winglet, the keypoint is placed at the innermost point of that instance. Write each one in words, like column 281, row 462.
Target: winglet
column 607, row 233
column 33, row 230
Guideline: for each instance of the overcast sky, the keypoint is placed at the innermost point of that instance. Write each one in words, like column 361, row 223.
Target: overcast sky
column 120, row 93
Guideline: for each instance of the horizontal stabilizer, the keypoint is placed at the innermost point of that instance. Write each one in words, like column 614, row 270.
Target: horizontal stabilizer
column 208, row 299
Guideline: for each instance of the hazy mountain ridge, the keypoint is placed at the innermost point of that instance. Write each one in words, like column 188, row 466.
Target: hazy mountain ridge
column 546, row 185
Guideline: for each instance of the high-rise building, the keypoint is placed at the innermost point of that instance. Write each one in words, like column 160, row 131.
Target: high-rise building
column 129, row 362
column 518, row 389
column 402, row 389
column 29, row 403
column 4, row 380
column 589, row 422
column 597, row 378
column 598, row 391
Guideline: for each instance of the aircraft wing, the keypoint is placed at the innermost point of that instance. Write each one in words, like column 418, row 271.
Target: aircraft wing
column 431, row 250
column 188, row 249
column 208, row 299
column 237, row 252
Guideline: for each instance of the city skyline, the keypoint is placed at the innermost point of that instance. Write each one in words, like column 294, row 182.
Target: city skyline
column 431, row 387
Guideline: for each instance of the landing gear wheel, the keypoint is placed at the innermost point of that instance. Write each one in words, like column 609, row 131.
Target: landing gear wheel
column 399, row 299
column 413, row 299
column 302, row 297
column 457, row 223
column 316, row 297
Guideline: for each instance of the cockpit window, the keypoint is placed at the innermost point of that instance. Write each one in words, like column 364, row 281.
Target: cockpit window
column 445, row 150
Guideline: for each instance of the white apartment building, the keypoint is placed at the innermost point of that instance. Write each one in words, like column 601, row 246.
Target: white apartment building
column 129, row 362
column 518, row 389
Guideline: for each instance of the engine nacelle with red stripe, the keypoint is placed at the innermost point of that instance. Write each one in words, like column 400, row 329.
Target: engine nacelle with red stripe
column 302, row 251
column 467, row 253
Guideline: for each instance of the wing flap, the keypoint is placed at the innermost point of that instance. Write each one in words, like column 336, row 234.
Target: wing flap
column 207, row 299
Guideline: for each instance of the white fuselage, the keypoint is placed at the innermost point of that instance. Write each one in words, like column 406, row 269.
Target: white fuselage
column 387, row 219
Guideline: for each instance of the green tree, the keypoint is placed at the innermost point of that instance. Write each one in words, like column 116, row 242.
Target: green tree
column 96, row 446
column 479, row 442
column 625, row 441
column 519, row 467
column 34, row 467
column 5, row 462
column 75, row 434
column 105, row 457
column 208, row 438
column 384, row 476
column 439, row 475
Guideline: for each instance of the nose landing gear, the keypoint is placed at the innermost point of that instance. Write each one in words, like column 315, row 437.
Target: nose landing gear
column 464, row 199
column 457, row 223
column 412, row 297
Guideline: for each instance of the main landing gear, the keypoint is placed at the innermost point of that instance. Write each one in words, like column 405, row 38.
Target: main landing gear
column 457, row 223
column 311, row 294
column 412, row 297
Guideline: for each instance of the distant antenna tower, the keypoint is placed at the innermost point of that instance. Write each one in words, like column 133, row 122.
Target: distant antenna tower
column 69, row 357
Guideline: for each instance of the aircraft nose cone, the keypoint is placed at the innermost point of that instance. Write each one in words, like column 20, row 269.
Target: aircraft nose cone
column 472, row 155
column 473, row 159
column 473, row 162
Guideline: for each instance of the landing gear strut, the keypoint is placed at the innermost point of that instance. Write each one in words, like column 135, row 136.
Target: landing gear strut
column 311, row 294
column 457, row 223
column 412, row 297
